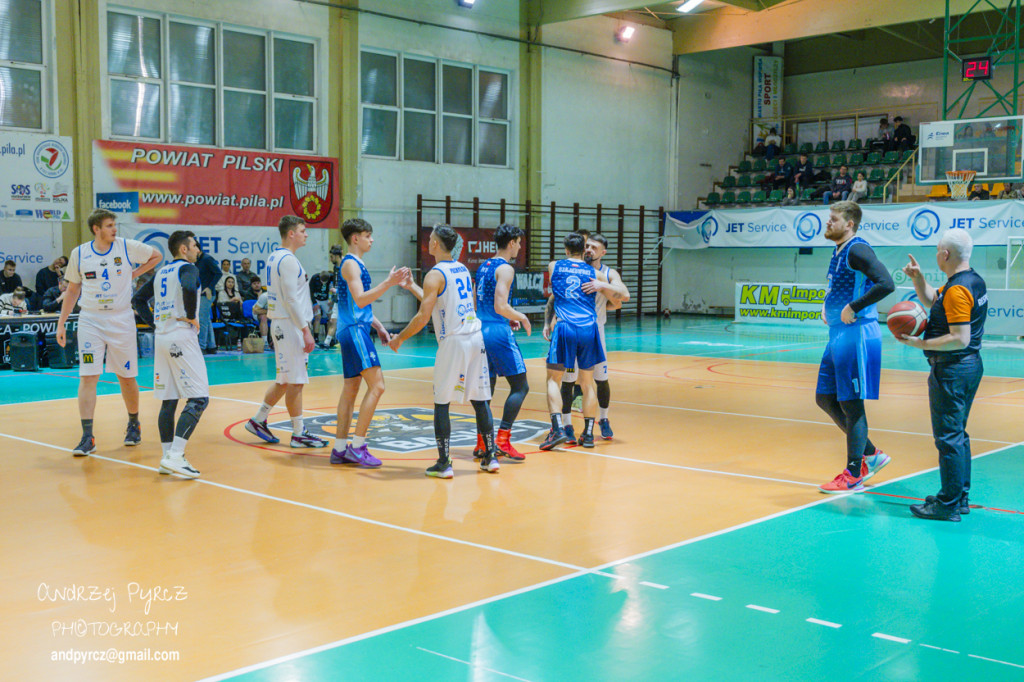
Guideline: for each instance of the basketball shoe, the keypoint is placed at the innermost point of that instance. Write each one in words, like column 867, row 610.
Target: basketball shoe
column 177, row 464
column 505, row 449
column 481, row 449
column 442, row 468
column 87, row 446
column 133, row 434
column 489, row 462
column 555, row 438
column 586, row 440
column 308, row 440
column 843, row 483
column 351, row 455
column 872, row 464
column 570, row 434
column 606, row 429
column 261, row 430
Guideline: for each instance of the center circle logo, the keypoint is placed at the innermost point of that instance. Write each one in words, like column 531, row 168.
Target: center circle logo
column 155, row 238
column 51, row 158
column 708, row 229
column 924, row 223
column 808, row 226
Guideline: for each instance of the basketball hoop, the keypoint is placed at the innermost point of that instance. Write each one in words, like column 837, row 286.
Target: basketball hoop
column 959, row 183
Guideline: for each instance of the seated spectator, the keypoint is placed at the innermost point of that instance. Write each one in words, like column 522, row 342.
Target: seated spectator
column 259, row 313
column 841, row 186
column 883, row 138
column 13, row 303
column 225, row 270
column 860, row 188
column 253, row 291
column 54, row 297
column 9, row 279
column 902, row 138
column 790, row 198
column 48, row 277
column 772, row 144
column 803, row 174
column 1011, row 191
column 227, row 293
column 780, row 176
column 244, row 276
column 979, row 193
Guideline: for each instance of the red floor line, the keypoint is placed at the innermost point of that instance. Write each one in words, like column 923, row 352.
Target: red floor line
column 921, row 499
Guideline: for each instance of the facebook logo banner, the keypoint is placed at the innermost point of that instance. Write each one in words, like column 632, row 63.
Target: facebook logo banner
column 118, row 202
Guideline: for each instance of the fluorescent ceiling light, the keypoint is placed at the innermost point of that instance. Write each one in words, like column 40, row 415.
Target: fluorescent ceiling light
column 466, row 3
column 624, row 34
column 688, row 5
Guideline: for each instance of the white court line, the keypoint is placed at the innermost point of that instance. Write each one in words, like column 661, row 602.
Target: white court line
column 709, row 597
column 880, row 635
column 994, row 660
column 654, row 585
column 826, row 623
column 473, row 665
column 755, row 607
column 939, row 648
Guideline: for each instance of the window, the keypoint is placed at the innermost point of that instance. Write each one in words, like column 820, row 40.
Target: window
column 24, row 78
column 420, row 109
column 184, row 81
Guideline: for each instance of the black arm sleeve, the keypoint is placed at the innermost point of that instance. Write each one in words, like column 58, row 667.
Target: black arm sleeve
column 140, row 302
column 862, row 259
column 188, row 275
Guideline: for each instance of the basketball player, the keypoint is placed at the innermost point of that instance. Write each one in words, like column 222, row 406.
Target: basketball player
column 499, row 320
column 179, row 370
column 359, row 359
column 597, row 247
column 461, row 369
column 575, row 338
column 101, row 271
column 852, row 363
column 289, row 310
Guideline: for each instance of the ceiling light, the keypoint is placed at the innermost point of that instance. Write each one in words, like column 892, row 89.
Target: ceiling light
column 465, row 3
column 624, row 34
column 688, row 5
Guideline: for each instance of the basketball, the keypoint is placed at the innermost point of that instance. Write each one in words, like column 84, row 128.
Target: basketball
column 906, row 317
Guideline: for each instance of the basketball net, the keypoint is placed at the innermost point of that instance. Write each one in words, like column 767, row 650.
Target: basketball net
column 959, row 183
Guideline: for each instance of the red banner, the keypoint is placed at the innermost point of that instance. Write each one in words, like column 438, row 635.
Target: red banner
column 173, row 185
column 477, row 246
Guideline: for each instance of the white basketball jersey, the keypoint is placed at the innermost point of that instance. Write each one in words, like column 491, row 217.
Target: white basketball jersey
column 454, row 313
column 284, row 271
column 600, row 302
column 168, row 302
column 106, row 278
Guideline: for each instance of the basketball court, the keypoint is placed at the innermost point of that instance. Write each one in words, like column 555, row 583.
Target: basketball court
column 693, row 545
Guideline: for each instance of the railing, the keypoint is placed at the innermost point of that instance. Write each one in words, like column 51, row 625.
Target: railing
column 897, row 178
column 865, row 121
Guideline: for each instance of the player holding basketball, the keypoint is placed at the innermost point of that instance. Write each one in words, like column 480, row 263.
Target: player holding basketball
column 101, row 271
column 852, row 363
column 597, row 247
column 952, row 344
column 289, row 310
column 494, row 280
column 359, row 359
column 179, row 370
column 575, row 337
column 461, row 369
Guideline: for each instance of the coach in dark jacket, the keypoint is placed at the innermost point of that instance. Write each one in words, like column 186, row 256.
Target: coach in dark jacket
column 209, row 275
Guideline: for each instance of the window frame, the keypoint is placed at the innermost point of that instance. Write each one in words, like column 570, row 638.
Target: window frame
column 48, row 114
column 268, row 93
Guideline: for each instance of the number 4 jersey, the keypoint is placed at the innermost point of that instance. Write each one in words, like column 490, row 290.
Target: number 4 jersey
column 106, row 278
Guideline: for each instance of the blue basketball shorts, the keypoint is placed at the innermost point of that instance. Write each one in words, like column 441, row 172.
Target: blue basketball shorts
column 357, row 351
column 578, row 346
column 852, row 364
column 503, row 354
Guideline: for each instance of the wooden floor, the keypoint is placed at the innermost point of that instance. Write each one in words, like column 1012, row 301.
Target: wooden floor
column 275, row 551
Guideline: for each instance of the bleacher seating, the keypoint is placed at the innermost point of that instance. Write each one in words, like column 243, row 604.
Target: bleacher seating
column 743, row 198
column 776, row 196
column 743, row 181
column 759, row 165
column 728, row 181
column 838, row 160
column 712, row 199
column 853, row 145
column 759, row 197
column 822, row 147
column 728, row 198
column 839, row 146
column 744, row 166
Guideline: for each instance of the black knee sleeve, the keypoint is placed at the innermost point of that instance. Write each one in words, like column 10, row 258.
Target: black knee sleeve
column 190, row 416
column 567, row 395
column 604, row 394
column 165, row 422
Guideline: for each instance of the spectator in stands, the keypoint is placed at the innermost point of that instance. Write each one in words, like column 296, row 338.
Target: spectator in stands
column 320, row 295
column 13, row 303
column 790, row 198
column 48, row 277
column 1011, row 191
column 780, row 176
column 841, row 186
column 259, row 313
column 9, row 279
column 902, row 138
column 244, row 276
column 54, row 297
column 772, row 144
column 229, row 294
column 979, row 193
column 225, row 270
column 803, row 174
column 883, row 139
column 253, row 291
column 209, row 277
column 860, row 188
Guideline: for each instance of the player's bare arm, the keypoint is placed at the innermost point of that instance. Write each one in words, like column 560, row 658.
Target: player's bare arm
column 409, row 285
column 71, row 295
column 153, row 261
column 601, row 283
column 382, row 332
column 503, row 283
column 351, row 273
column 432, row 285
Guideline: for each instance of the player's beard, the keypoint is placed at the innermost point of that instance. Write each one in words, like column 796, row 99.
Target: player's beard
column 588, row 259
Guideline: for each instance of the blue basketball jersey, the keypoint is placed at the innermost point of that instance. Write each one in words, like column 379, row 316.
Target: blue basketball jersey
column 486, row 283
column 348, row 312
column 572, row 304
column 846, row 285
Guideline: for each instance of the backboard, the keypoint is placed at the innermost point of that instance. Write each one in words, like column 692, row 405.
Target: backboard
column 989, row 146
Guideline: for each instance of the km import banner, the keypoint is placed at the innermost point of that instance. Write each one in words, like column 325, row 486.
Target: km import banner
column 169, row 185
column 475, row 246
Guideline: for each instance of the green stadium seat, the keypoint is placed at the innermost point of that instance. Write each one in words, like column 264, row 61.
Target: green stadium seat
column 853, row 145
column 744, row 166
column 868, row 142
column 876, row 175
column 805, row 195
column 806, row 148
column 759, row 165
column 729, row 181
column 759, row 179
column 728, row 198
column 776, row 196
column 838, row 160
column 874, row 158
column 759, row 197
column 743, row 181
column 743, row 198
column 839, row 146
column 856, row 159
column 789, row 149
column 907, row 154
column 878, row 192
column 821, row 148
column 822, row 161
column 891, row 157
column 712, row 199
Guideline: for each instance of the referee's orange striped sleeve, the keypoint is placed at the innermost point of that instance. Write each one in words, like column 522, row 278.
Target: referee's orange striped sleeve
column 958, row 303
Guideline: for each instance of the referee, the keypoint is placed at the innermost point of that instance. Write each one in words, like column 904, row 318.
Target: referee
column 952, row 344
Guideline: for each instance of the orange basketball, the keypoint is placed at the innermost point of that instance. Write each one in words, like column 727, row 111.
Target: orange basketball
column 907, row 317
